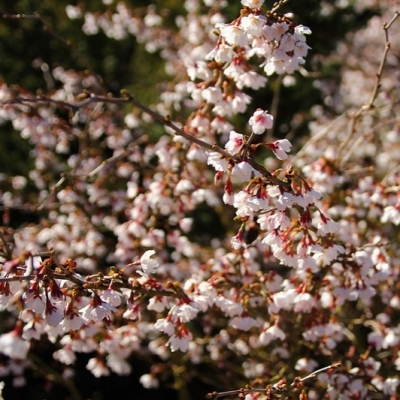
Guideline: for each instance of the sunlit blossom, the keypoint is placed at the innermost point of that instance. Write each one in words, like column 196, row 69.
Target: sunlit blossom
column 261, row 121
column 281, row 148
column 13, row 346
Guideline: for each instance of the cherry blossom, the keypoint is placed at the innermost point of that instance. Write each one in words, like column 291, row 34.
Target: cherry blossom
column 148, row 265
column 234, row 143
column 280, row 148
column 13, row 345
column 260, row 121
column 252, row 3
column 192, row 241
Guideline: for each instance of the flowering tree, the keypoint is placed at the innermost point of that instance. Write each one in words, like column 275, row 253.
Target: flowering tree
column 208, row 249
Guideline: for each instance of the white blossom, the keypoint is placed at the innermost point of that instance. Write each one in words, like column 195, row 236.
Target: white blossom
column 13, row 346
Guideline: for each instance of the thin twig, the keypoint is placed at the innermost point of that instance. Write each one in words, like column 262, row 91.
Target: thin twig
column 386, row 27
column 278, row 5
column 129, row 99
column 368, row 105
column 51, row 193
column 278, row 387
column 315, row 373
column 102, row 283
column 390, row 173
column 64, row 176
column 362, row 137
column 319, row 135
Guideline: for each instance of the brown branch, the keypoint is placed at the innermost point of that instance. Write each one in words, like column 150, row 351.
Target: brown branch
column 92, row 282
column 129, row 99
column 386, row 27
column 278, row 387
column 83, row 284
column 51, row 193
column 364, row 136
column 375, row 91
column 319, row 135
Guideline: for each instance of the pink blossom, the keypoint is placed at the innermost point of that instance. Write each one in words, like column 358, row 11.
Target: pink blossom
column 223, row 53
column 65, row 356
column 13, row 346
column 260, row 122
column 233, row 34
column 285, row 200
column 118, row 365
column 72, row 322
column 123, row 192
column 54, row 314
column 251, row 79
column 97, row 310
column 284, row 300
column 392, row 214
column 97, row 367
column 229, row 307
column 33, row 329
column 180, row 341
column 280, row 148
column 303, row 302
column 237, row 242
column 253, row 24
column 272, row 221
column 212, row 95
column 148, row 265
column 221, row 125
column 158, row 303
column 271, row 334
column 243, row 171
column 390, row 385
column 243, row 323
column 240, row 102
column 207, row 290
column 327, row 225
column 111, row 296
column 252, row 3
column 164, row 325
column 234, row 143
column 185, row 312
column 306, row 364
column 217, row 161
column 149, row 381
column 326, row 299
column 34, row 302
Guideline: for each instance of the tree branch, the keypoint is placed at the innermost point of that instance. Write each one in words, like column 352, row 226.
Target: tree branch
column 279, row 387
column 129, row 99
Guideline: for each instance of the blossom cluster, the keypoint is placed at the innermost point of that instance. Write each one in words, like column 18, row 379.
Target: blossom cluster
column 119, row 265
column 280, row 44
